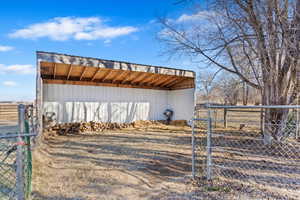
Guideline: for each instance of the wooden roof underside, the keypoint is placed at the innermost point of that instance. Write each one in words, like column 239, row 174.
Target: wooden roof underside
column 63, row 73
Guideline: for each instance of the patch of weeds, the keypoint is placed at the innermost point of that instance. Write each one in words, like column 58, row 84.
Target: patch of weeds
column 217, row 188
column 227, row 189
column 215, row 185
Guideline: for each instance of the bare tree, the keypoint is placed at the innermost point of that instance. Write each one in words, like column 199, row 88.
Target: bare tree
column 229, row 87
column 207, row 82
column 256, row 40
column 245, row 94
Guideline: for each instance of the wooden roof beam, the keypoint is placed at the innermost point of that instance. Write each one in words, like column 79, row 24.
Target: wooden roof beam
column 135, row 77
column 143, row 81
column 82, row 74
column 106, row 76
column 140, row 78
column 186, row 82
column 131, row 77
column 175, row 82
column 95, row 74
column 115, row 79
column 69, row 72
column 165, row 80
column 155, row 79
column 54, row 70
column 126, row 78
column 168, row 82
column 76, row 82
column 183, row 86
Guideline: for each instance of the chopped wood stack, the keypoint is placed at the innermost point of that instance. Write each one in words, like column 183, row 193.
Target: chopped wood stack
column 84, row 127
column 96, row 127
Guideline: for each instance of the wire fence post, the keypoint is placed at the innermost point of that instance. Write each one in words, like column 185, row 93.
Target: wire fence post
column 216, row 117
column 225, row 118
column 297, row 135
column 28, row 126
column 193, row 149
column 208, row 145
column 19, row 161
column 262, row 128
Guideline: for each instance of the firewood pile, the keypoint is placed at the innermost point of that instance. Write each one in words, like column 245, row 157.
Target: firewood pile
column 98, row 127
column 85, row 127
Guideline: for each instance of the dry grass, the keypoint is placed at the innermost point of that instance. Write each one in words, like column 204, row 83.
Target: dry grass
column 8, row 118
column 150, row 163
column 8, row 112
column 249, row 117
column 243, row 161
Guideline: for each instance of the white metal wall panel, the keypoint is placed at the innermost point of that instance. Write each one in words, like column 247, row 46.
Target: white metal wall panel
column 73, row 103
column 182, row 103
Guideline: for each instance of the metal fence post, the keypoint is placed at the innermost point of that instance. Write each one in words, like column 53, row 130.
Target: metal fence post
column 193, row 149
column 216, row 117
column 208, row 146
column 262, row 121
column 19, row 161
column 225, row 117
column 28, row 158
column 297, row 135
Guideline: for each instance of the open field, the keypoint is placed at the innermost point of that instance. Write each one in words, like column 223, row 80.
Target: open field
column 8, row 118
column 8, row 112
column 234, row 117
column 152, row 162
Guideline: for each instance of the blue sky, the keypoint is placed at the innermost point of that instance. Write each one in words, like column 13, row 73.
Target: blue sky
column 117, row 30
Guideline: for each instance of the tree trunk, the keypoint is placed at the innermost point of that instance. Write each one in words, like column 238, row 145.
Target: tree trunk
column 275, row 120
column 245, row 93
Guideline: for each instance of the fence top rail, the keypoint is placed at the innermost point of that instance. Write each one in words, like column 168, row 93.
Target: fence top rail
column 16, row 135
column 200, row 119
column 254, row 111
column 262, row 106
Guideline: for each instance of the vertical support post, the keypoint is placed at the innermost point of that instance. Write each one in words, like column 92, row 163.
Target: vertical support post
column 215, row 117
column 39, row 98
column 208, row 146
column 31, row 119
column 195, row 113
column 225, row 117
column 19, row 162
column 193, row 149
column 262, row 121
column 28, row 155
column 297, row 135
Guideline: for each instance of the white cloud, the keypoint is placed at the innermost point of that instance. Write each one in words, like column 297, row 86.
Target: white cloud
column 5, row 48
column 65, row 28
column 17, row 69
column 9, row 83
column 201, row 15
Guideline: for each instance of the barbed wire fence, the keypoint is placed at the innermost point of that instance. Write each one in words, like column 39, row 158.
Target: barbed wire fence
column 232, row 144
column 15, row 156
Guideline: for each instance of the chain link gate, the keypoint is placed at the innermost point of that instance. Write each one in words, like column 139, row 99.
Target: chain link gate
column 16, row 158
column 230, row 143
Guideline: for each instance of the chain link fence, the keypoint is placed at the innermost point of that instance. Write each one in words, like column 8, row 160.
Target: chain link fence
column 241, row 145
column 15, row 156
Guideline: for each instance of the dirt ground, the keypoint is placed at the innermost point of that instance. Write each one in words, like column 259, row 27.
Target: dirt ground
column 243, row 163
column 134, row 163
column 128, row 164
